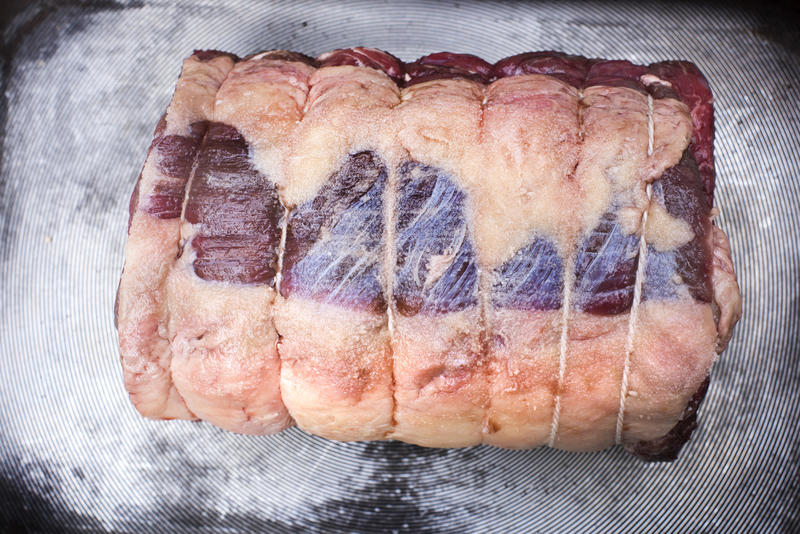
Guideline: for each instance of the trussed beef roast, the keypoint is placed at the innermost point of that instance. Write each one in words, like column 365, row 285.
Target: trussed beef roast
column 444, row 252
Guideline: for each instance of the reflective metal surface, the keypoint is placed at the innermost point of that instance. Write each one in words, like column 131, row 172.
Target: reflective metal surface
column 85, row 87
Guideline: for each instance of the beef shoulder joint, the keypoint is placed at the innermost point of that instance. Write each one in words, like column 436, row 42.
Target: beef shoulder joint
column 444, row 252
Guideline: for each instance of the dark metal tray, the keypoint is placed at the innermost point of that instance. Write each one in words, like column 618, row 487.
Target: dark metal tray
column 85, row 83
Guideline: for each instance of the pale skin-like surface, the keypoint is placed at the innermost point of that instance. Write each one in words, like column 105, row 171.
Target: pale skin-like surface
column 629, row 140
column 264, row 99
column 441, row 379
column 674, row 347
column 336, row 374
column 534, row 157
column 664, row 231
column 230, row 376
column 195, row 92
column 438, row 124
column 150, row 252
column 589, row 393
column 530, row 142
column 613, row 155
column 529, row 145
column 672, row 343
column 523, row 370
column 347, row 109
column 672, row 131
column 225, row 361
column 144, row 345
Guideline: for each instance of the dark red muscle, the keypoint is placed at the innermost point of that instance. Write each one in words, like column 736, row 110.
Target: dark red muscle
column 237, row 212
column 605, row 269
column 532, row 279
column 692, row 87
column 445, row 65
column 175, row 156
column 616, row 73
column 680, row 191
column 208, row 55
column 565, row 67
column 365, row 57
column 431, row 223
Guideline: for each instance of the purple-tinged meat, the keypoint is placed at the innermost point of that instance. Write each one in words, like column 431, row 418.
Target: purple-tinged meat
column 176, row 153
column 283, row 55
column 166, row 199
column 175, row 156
column 237, row 212
column 336, row 372
column 617, row 73
column 365, row 57
column 605, row 269
column 334, row 242
column 435, row 268
column 221, row 291
column 439, row 355
column 660, row 90
column 208, row 55
column 565, row 67
column 531, row 280
column 446, row 65
column 525, row 215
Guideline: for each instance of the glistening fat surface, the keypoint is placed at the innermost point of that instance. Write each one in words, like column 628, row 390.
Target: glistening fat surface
column 73, row 447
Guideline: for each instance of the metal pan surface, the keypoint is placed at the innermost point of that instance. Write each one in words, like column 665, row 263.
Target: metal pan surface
column 85, row 83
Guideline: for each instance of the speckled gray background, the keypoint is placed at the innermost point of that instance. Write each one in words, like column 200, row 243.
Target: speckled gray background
column 84, row 84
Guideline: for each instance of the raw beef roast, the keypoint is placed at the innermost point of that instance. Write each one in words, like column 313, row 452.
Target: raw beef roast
column 444, row 252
